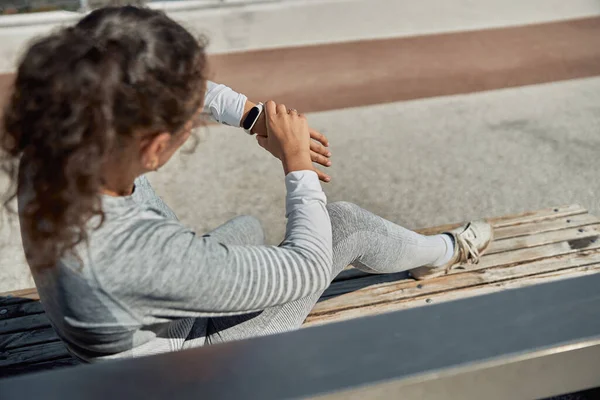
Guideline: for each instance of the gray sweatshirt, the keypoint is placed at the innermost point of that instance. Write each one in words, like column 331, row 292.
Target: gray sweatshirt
column 145, row 277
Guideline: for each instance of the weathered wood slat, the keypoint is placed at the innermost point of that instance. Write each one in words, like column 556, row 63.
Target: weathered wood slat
column 21, row 309
column 537, row 216
column 338, row 288
column 18, row 296
column 380, row 308
column 514, row 283
column 545, row 226
column 42, row 366
column 28, row 338
column 8, row 300
column 25, row 323
column 531, row 254
column 33, row 354
column 539, row 239
column 366, row 291
column 516, row 219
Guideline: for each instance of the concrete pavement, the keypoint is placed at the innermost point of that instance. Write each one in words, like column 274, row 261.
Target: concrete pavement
column 417, row 163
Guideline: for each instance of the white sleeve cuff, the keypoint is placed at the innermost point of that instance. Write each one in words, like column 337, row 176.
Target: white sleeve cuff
column 303, row 187
column 223, row 104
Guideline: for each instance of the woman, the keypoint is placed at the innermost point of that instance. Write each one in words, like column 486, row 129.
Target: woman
column 98, row 105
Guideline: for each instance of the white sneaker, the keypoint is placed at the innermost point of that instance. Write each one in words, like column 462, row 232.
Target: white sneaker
column 470, row 242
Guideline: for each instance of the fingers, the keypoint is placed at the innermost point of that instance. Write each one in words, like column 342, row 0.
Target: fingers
column 322, row 176
column 262, row 141
column 271, row 107
column 320, row 159
column 319, row 148
column 319, row 137
column 281, row 109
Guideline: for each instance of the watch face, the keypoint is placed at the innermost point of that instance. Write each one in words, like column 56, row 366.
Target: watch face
column 252, row 115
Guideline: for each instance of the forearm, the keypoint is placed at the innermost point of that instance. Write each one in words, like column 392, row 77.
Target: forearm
column 229, row 107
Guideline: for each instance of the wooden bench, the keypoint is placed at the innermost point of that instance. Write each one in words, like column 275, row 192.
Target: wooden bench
column 529, row 248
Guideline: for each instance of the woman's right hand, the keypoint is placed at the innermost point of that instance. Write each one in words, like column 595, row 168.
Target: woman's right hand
column 288, row 137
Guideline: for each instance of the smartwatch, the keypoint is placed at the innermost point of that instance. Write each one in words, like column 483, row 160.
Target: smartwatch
column 252, row 117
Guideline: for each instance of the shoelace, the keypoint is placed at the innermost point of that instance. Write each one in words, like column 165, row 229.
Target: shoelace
column 468, row 249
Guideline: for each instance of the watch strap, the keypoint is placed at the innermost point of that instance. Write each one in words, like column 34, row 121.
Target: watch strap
column 260, row 107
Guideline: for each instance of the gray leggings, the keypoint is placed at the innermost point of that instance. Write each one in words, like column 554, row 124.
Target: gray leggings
column 368, row 242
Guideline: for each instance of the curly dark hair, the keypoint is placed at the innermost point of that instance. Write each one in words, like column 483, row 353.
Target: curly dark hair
column 77, row 95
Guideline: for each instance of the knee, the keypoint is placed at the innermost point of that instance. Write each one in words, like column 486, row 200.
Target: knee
column 251, row 228
column 347, row 219
column 341, row 212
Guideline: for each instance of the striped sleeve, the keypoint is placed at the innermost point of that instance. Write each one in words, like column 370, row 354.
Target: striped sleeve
column 182, row 274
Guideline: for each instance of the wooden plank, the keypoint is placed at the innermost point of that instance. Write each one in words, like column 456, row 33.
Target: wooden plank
column 18, row 296
column 537, row 216
column 28, row 338
column 21, row 309
column 30, row 293
column 338, row 288
column 545, row 226
column 358, row 296
column 514, row 284
column 539, row 239
column 451, row 295
column 516, row 219
column 586, row 241
column 531, row 254
column 43, row 366
column 33, row 354
column 10, row 300
column 25, row 323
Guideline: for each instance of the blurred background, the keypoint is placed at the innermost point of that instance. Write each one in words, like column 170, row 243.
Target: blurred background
column 29, row 6
column 437, row 111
